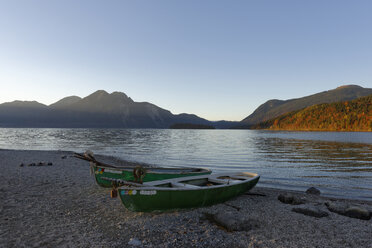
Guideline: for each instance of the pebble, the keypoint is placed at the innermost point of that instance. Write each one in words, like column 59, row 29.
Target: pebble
column 38, row 164
column 134, row 242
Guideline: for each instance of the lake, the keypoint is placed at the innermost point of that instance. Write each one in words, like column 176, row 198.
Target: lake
column 338, row 163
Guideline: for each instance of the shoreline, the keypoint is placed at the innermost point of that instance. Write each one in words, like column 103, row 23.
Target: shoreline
column 60, row 205
column 111, row 159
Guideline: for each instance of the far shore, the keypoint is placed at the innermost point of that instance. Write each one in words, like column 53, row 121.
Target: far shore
column 56, row 203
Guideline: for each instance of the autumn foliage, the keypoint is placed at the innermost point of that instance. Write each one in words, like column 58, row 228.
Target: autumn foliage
column 353, row 115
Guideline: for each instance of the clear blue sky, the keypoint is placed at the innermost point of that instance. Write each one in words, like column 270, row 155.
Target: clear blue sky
column 216, row 59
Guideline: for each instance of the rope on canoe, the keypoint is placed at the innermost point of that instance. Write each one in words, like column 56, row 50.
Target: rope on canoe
column 91, row 168
column 139, row 173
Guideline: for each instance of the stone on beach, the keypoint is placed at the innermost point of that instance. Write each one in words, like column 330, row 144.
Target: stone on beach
column 311, row 211
column 341, row 208
column 288, row 198
column 233, row 221
column 336, row 207
column 313, row 191
column 358, row 213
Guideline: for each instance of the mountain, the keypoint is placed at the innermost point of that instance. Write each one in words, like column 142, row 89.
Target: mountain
column 102, row 102
column 65, row 102
column 355, row 115
column 275, row 108
column 98, row 110
column 24, row 105
column 21, row 112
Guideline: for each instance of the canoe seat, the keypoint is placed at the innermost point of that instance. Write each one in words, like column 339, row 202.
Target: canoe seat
column 227, row 180
column 184, row 185
column 219, row 181
column 235, row 178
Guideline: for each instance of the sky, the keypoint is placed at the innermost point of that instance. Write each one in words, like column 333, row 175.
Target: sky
column 217, row 59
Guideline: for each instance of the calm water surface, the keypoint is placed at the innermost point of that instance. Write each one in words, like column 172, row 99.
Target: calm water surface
column 339, row 164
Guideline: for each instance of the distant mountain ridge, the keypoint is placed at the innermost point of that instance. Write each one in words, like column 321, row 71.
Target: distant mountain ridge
column 65, row 102
column 275, row 108
column 24, row 104
column 98, row 110
column 116, row 110
column 355, row 115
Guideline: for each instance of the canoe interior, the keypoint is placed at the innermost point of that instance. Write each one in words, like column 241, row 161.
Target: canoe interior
column 175, row 170
column 207, row 182
column 203, row 182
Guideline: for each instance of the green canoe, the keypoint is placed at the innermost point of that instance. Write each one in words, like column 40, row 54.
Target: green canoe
column 110, row 176
column 191, row 192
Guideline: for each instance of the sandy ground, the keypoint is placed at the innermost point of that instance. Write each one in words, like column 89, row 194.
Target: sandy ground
column 61, row 206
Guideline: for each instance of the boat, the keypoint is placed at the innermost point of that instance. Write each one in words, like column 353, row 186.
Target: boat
column 190, row 192
column 110, row 176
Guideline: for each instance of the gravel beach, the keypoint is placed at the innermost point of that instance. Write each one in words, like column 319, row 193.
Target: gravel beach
column 56, row 203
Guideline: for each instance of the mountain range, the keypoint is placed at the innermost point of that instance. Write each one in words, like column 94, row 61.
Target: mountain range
column 98, row 110
column 117, row 110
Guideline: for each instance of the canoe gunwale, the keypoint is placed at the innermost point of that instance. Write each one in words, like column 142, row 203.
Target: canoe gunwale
column 158, row 170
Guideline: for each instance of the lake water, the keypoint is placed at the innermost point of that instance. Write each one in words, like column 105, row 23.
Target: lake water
column 338, row 163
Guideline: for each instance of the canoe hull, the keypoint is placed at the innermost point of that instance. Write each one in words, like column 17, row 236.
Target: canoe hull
column 147, row 200
column 101, row 175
